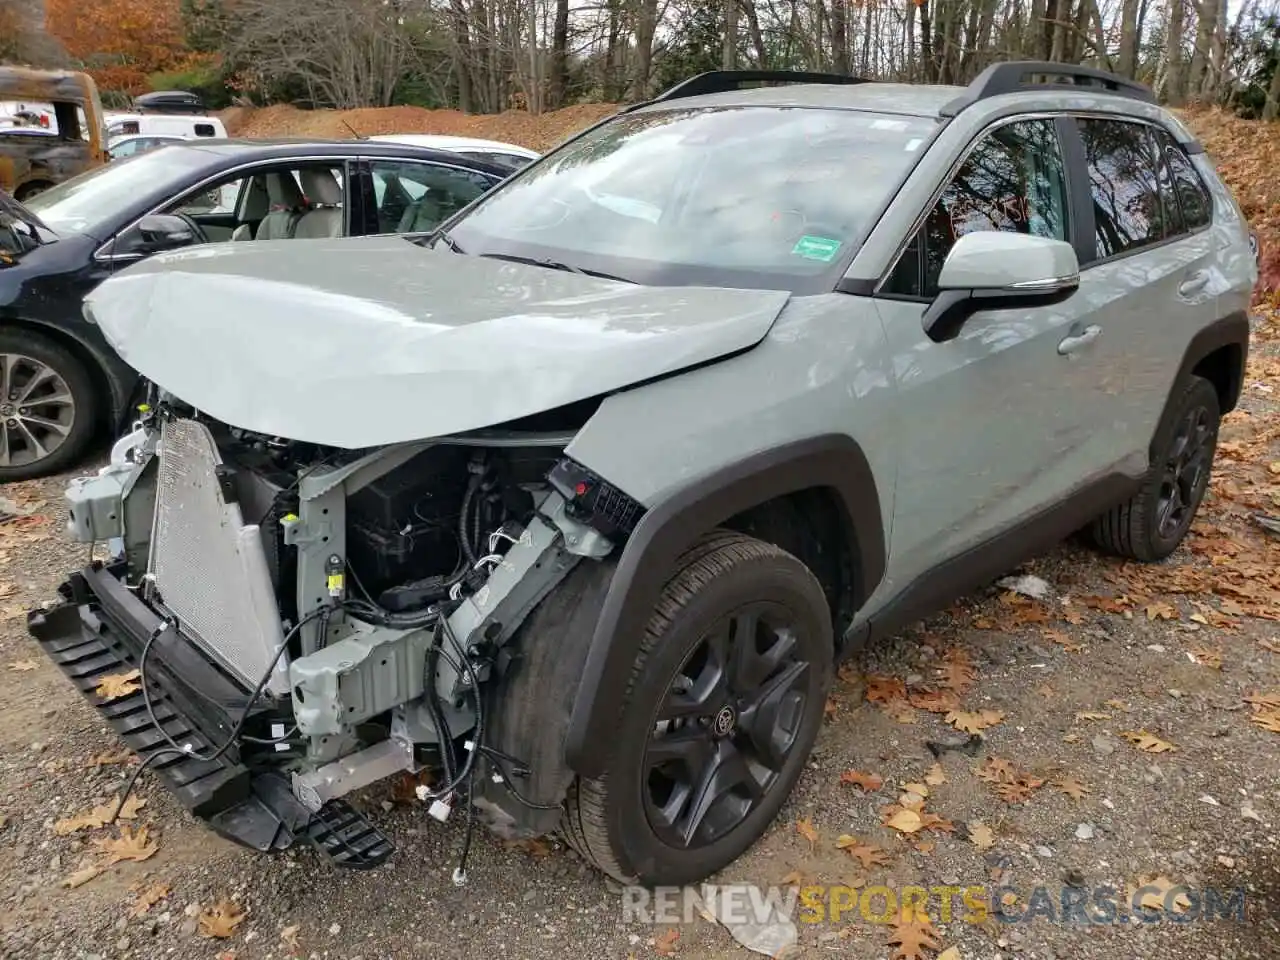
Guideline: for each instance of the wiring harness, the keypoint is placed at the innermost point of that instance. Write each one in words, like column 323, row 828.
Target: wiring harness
column 459, row 772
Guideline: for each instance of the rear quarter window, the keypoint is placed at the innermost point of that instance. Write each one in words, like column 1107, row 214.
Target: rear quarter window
column 205, row 130
column 1193, row 195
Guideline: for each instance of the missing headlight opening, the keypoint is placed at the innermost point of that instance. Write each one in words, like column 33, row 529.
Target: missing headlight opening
column 308, row 620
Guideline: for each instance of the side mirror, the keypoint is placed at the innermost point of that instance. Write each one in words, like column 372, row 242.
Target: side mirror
column 164, row 231
column 992, row 270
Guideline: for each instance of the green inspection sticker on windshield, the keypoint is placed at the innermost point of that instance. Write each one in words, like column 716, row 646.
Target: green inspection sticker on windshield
column 816, row 248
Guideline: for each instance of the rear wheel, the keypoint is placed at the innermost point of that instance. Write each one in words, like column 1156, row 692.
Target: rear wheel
column 1155, row 520
column 723, row 707
column 46, row 406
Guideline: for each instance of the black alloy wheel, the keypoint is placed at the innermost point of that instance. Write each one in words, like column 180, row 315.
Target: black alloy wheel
column 1186, row 471
column 731, row 717
column 724, row 703
column 47, row 406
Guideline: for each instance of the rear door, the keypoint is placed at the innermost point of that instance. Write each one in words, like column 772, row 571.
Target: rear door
column 1150, row 276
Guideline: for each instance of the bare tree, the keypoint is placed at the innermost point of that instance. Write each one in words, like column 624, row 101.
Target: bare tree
column 490, row 55
column 347, row 53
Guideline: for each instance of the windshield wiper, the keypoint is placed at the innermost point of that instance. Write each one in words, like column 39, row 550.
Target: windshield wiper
column 449, row 242
column 555, row 265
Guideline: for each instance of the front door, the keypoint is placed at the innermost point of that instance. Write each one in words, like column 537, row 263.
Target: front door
column 994, row 425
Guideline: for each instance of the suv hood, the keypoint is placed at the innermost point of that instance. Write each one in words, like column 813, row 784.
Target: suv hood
column 365, row 342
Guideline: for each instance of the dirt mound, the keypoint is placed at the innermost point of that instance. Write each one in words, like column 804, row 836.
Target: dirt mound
column 514, row 126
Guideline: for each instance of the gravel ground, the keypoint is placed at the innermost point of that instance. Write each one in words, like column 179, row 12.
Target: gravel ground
column 1134, row 649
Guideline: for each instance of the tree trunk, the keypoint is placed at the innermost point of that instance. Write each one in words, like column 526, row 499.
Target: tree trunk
column 1079, row 32
column 534, row 104
column 1128, row 60
column 612, row 54
column 1272, row 107
column 1206, row 26
column 944, row 39
column 646, row 25
column 1175, row 80
column 757, row 38
column 1061, row 36
column 868, row 32
column 1099, row 36
column 1209, row 84
column 729, row 55
column 926, row 44
column 462, row 56
column 1033, row 38
column 840, row 36
column 909, row 30
column 559, row 86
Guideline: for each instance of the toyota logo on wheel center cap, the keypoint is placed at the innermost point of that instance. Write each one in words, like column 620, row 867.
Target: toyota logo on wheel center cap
column 724, row 722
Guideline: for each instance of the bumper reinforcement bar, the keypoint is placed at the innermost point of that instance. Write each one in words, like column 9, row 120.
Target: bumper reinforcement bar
column 99, row 630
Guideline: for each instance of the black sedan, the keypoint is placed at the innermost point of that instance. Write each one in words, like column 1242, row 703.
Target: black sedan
column 60, row 384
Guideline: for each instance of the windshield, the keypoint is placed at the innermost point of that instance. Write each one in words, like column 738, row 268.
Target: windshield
column 774, row 197
column 17, row 234
column 95, row 199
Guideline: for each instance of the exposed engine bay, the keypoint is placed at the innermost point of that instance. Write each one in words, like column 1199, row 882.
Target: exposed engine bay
column 358, row 603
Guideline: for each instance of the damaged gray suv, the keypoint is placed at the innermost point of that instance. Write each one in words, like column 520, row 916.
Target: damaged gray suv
column 570, row 507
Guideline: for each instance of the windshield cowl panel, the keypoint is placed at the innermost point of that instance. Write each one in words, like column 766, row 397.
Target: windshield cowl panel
column 762, row 196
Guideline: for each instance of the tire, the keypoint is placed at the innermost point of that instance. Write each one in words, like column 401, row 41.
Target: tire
column 66, row 399
column 30, row 190
column 616, row 822
column 1151, row 524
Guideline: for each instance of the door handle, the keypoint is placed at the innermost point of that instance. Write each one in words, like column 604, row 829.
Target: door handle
column 1078, row 341
column 1194, row 283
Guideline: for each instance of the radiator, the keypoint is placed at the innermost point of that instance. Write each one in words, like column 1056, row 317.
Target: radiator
column 209, row 567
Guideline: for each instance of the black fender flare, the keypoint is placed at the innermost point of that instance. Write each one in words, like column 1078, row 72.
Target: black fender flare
column 670, row 526
column 1231, row 330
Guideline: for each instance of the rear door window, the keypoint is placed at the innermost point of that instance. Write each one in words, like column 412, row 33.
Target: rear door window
column 1129, row 210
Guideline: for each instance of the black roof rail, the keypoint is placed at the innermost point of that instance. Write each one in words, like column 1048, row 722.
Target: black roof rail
column 723, row 81
column 1012, row 78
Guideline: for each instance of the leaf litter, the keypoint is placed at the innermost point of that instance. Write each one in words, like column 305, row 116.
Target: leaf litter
column 220, row 920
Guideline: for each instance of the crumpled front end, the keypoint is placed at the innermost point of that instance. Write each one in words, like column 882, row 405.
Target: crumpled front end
column 295, row 622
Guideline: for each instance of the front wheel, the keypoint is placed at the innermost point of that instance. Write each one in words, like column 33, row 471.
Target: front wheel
column 46, row 406
column 31, row 190
column 1155, row 520
column 724, row 704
